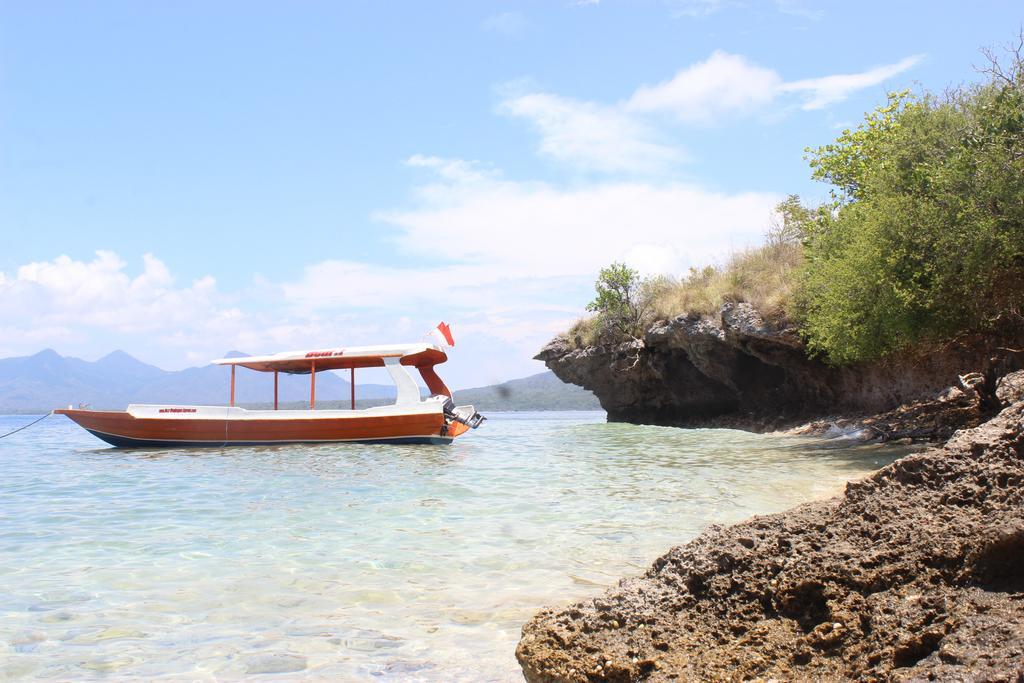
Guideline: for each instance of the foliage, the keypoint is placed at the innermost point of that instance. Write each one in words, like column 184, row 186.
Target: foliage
column 791, row 222
column 621, row 305
column 848, row 162
column 925, row 238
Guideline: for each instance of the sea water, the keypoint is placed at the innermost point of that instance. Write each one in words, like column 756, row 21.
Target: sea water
column 356, row 562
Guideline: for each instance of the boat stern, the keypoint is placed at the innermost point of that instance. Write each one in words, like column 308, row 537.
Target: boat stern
column 460, row 419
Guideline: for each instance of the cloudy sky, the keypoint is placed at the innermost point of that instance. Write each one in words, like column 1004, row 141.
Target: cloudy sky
column 181, row 179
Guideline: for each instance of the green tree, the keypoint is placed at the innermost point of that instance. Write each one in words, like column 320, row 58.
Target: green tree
column 620, row 304
column 849, row 162
column 791, row 222
column 925, row 237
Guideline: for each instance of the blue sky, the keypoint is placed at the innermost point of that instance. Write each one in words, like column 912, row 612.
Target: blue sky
column 180, row 179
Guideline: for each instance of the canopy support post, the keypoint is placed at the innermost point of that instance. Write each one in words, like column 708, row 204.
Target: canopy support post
column 232, row 385
column 312, row 384
column 275, row 389
column 352, row 385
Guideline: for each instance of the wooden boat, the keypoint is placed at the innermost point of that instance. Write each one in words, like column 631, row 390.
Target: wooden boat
column 412, row 419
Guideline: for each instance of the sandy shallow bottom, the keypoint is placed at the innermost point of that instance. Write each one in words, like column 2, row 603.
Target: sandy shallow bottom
column 388, row 562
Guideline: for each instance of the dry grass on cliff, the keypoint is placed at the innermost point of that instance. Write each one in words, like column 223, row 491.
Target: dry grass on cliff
column 764, row 276
column 584, row 332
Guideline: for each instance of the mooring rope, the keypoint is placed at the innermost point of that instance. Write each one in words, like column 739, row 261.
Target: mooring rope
column 26, row 426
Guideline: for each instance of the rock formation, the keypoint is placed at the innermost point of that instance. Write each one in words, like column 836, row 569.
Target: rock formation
column 742, row 371
column 916, row 573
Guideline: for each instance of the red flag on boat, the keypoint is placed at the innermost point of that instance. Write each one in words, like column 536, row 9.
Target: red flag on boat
column 442, row 334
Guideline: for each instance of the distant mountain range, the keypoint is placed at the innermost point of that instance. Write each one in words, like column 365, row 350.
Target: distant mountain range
column 48, row 380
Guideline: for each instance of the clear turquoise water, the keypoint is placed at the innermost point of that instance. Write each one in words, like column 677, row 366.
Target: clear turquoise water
column 350, row 561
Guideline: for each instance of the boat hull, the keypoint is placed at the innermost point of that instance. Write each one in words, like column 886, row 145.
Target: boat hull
column 124, row 430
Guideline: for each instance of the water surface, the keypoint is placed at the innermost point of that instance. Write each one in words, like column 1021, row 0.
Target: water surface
column 354, row 561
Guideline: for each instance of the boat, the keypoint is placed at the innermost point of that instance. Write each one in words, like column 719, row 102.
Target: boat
column 411, row 419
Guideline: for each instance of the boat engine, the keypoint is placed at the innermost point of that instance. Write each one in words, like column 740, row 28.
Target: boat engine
column 463, row 414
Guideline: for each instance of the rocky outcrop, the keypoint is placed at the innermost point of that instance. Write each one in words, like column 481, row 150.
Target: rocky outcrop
column 1010, row 388
column 743, row 371
column 915, row 573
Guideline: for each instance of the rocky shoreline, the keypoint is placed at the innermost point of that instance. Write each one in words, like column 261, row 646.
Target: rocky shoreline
column 967, row 404
column 741, row 371
column 915, row 573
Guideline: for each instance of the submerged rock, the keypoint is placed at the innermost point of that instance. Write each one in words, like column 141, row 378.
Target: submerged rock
column 915, row 573
column 279, row 663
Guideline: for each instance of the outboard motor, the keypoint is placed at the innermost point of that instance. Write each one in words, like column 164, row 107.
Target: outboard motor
column 463, row 414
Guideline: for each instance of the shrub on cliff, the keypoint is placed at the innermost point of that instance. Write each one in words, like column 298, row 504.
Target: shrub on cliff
column 622, row 305
column 925, row 238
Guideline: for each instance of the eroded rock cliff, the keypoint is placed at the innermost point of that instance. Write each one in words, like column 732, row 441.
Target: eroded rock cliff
column 916, row 573
column 741, row 370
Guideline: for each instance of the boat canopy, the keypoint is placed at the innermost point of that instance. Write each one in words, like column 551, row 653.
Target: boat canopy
column 303, row 362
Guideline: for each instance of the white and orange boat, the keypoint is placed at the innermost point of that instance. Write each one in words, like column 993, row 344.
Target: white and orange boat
column 412, row 419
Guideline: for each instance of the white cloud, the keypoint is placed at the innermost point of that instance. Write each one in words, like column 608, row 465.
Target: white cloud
column 459, row 170
column 508, row 23
column 729, row 84
column 502, row 315
column 90, row 307
column 353, row 285
column 518, row 259
column 694, row 8
column 424, row 294
column 655, row 259
column 622, row 136
column 703, row 8
column 592, row 136
column 97, row 305
column 799, row 8
column 99, row 293
column 700, row 93
column 821, row 92
column 530, row 229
